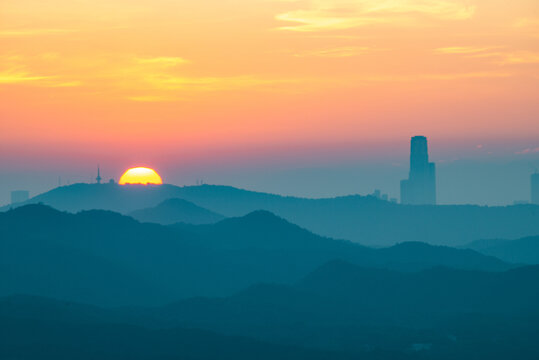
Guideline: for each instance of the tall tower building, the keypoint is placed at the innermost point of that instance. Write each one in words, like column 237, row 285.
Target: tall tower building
column 98, row 178
column 535, row 188
column 420, row 187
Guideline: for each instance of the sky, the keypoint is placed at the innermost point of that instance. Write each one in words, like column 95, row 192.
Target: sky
column 307, row 97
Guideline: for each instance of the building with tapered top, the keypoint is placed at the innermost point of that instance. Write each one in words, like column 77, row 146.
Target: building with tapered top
column 420, row 187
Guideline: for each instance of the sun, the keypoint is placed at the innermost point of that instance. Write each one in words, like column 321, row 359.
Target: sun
column 140, row 175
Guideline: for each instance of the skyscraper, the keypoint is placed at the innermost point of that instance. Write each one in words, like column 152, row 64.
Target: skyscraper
column 420, row 187
column 535, row 188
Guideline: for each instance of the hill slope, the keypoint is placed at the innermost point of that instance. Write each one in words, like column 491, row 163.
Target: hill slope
column 448, row 313
column 86, row 256
column 363, row 219
column 29, row 338
column 176, row 210
column 524, row 250
column 342, row 293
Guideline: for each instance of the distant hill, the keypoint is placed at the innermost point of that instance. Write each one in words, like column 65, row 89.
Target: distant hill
column 436, row 291
column 176, row 210
column 455, row 313
column 266, row 234
column 81, row 332
column 113, row 197
column 340, row 311
column 47, row 252
column 364, row 219
column 341, row 292
column 84, row 257
column 524, row 250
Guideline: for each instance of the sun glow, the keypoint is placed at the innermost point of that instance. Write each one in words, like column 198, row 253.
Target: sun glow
column 141, row 175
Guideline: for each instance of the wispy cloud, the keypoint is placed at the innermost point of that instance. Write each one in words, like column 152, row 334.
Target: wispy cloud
column 528, row 151
column 33, row 32
column 16, row 71
column 338, row 52
column 171, row 82
column 325, row 15
column 163, row 76
column 462, row 50
column 433, row 76
column 163, row 60
column 527, row 22
column 522, row 57
column 466, row 75
column 150, row 98
column 13, row 77
column 60, row 84
column 128, row 76
column 499, row 55
column 16, row 77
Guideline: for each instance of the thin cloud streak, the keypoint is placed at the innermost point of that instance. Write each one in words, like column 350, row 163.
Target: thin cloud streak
column 345, row 51
column 503, row 57
column 34, row 32
column 164, row 61
column 528, row 151
column 462, row 50
column 11, row 77
column 325, row 15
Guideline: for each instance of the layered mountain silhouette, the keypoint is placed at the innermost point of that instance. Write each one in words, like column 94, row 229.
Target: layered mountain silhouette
column 340, row 310
column 358, row 218
column 204, row 272
column 101, row 257
column 81, row 332
column 174, row 211
column 524, row 250
column 265, row 233
column 344, row 306
column 343, row 293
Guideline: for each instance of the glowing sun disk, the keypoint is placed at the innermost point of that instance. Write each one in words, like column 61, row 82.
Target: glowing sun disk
column 140, row 175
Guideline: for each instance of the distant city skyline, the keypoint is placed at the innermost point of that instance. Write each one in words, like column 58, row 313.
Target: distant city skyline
column 309, row 98
column 484, row 175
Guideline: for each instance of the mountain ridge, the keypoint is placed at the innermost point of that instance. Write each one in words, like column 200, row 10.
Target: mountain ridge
column 194, row 260
column 524, row 250
column 176, row 210
column 363, row 219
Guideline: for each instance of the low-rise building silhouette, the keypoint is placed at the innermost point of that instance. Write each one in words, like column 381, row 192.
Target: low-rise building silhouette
column 378, row 195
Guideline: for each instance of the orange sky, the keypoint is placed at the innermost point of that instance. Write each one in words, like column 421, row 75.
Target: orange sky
column 135, row 78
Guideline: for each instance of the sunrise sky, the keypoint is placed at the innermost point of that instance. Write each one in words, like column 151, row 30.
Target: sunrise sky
column 186, row 83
